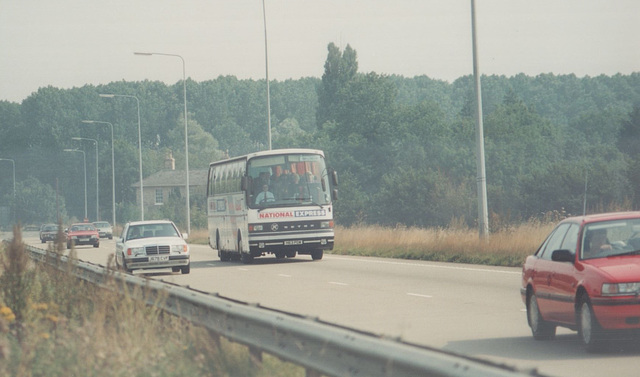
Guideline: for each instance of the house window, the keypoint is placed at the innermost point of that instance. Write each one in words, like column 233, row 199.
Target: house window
column 159, row 197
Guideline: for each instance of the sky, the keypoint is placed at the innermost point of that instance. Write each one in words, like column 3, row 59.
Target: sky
column 71, row 43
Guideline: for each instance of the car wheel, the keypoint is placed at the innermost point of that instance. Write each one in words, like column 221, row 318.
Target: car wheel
column 186, row 269
column 96, row 245
column 43, row 241
column 541, row 329
column 316, row 254
column 279, row 254
column 588, row 327
column 68, row 245
column 291, row 254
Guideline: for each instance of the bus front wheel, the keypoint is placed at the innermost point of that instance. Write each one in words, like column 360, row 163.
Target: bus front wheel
column 317, row 254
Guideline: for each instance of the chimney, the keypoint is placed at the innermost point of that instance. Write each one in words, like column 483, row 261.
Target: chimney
column 170, row 162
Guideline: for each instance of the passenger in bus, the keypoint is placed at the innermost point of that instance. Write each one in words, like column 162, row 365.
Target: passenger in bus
column 302, row 193
column 265, row 195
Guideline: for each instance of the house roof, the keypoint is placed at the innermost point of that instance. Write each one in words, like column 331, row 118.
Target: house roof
column 175, row 178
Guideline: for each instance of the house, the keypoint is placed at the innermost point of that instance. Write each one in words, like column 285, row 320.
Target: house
column 158, row 186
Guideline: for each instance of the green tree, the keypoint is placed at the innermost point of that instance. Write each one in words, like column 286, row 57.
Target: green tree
column 37, row 202
column 339, row 69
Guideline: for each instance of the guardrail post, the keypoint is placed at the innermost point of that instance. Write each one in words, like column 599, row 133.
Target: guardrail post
column 312, row 373
column 256, row 355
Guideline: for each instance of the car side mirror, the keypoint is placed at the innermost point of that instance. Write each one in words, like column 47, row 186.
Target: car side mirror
column 185, row 236
column 562, row 256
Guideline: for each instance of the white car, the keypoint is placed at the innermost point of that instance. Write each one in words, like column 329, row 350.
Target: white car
column 104, row 229
column 152, row 244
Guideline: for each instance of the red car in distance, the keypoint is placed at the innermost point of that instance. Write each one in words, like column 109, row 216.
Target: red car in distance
column 586, row 276
column 82, row 234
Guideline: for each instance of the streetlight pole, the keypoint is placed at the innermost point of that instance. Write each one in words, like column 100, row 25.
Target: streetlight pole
column 113, row 171
column 186, row 129
column 139, row 147
column 266, row 65
column 84, row 159
column 13, row 164
column 97, row 180
column 483, row 216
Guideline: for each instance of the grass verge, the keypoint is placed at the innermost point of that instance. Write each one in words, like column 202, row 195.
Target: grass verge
column 508, row 246
column 53, row 324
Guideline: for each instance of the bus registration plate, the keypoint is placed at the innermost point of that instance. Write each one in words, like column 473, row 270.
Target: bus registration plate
column 293, row 242
column 159, row 258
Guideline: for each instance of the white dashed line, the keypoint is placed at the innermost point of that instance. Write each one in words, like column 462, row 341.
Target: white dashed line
column 337, row 283
column 284, row 275
column 428, row 265
column 419, row 295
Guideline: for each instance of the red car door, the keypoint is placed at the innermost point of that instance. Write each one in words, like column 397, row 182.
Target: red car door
column 544, row 270
column 563, row 282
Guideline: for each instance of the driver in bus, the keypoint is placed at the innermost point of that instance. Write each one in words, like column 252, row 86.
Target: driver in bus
column 265, row 195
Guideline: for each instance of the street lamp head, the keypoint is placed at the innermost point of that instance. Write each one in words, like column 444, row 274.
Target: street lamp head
column 76, row 138
column 71, row 150
column 88, row 121
column 143, row 53
column 107, row 95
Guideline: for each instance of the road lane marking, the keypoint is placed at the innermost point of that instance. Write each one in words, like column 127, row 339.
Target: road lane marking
column 364, row 260
column 419, row 295
column 243, row 269
column 337, row 283
column 284, row 275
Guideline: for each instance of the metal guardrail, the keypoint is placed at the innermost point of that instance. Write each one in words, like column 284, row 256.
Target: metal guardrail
column 320, row 347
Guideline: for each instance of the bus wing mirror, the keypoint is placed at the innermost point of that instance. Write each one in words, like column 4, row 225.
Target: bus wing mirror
column 334, row 194
column 244, row 182
column 334, row 177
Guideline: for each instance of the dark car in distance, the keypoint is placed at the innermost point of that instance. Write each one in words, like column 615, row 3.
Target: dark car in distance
column 48, row 232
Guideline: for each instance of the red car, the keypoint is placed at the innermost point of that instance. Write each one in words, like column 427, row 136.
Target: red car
column 586, row 277
column 82, row 234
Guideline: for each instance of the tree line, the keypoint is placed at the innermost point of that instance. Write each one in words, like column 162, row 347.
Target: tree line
column 404, row 147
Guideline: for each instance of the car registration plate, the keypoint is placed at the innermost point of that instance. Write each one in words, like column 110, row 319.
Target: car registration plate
column 159, row 258
column 294, row 242
column 84, row 238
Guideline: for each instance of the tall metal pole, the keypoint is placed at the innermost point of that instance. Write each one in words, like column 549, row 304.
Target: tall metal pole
column 84, row 159
column 113, row 171
column 483, row 217
column 266, row 65
column 139, row 147
column 97, row 171
column 186, row 129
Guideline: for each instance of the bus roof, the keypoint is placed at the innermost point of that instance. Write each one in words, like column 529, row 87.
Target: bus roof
column 272, row 152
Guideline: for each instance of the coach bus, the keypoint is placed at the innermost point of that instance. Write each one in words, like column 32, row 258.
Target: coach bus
column 271, row 202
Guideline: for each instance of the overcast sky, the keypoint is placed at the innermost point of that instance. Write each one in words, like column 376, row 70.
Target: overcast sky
column 70, row 43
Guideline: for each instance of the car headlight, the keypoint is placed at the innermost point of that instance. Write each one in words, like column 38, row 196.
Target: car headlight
column 135, row 250
column 179, row 249
column 620, row 289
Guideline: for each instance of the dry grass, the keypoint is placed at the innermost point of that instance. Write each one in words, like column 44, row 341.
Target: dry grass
column 507, row 247
column 67, row 327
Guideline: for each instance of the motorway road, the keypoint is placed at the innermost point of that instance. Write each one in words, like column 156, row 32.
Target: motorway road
column 467, row 309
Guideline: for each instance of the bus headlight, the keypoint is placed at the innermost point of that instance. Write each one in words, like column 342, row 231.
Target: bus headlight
column 255, row 228
column 326, row 224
